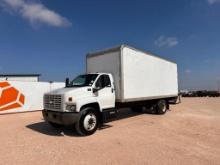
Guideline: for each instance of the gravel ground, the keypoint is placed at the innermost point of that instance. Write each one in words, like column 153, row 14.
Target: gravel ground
column 187, row 134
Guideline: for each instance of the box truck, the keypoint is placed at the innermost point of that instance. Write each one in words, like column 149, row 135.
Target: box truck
column 119, row 77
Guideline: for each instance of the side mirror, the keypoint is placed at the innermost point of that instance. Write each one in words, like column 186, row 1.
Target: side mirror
column 96, row 89
column 67, row 82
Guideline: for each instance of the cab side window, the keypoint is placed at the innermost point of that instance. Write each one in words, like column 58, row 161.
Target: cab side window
column 103, row 81
column 100, row 82
column 107, row 82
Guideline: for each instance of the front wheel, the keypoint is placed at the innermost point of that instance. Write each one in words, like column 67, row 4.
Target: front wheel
column 161, row 107
column 88, row 122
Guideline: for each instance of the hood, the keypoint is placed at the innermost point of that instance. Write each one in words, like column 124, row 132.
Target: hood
column 77, row 92
column 61, row 91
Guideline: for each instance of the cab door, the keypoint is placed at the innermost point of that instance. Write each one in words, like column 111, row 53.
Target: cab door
column 106, row 93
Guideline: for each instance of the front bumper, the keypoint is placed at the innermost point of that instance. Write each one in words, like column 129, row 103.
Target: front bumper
column 66, row 118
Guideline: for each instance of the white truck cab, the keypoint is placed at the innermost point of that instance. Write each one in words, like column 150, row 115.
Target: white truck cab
column 85, row 89
column 85, row 92
column 118, row 77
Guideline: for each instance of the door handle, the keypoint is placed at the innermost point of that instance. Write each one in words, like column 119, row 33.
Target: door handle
column 112, row 90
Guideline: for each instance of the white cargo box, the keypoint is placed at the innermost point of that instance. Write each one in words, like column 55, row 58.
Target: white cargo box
column 137, row 75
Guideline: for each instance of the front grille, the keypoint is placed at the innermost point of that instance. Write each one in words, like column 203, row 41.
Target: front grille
column 53, row 102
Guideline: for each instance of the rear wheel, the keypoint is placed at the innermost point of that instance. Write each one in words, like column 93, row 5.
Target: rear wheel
column 161, row 107
column 152, row 108
column 88, row 122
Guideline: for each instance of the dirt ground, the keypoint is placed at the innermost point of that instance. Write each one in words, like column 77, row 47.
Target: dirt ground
column 187, row 134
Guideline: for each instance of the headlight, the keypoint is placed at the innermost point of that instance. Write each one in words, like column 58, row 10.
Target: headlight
column 71, row 108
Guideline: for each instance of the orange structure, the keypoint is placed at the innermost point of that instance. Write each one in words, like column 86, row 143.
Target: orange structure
column 10, row 97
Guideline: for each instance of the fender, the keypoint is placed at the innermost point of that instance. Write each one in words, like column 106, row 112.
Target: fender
column 86, row 100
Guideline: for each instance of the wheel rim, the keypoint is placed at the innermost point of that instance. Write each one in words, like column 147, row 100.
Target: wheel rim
column 163, row 107
column 90, row 122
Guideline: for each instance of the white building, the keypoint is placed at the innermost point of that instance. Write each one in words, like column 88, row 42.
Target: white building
column 20, row 77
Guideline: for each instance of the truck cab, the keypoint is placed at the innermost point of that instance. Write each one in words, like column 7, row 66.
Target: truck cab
column 81, row 102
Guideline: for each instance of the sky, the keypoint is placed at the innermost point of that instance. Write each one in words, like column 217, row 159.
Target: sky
column 52, row 37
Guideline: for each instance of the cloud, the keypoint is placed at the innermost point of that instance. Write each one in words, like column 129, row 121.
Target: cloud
column 35, row 12
column 213, row 1
column 168, row 42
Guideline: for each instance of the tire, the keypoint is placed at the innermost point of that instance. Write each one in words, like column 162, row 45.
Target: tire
column 55, row 125
column 161, row 107
column 137, row 109
column 153, row 108
column 88, row 122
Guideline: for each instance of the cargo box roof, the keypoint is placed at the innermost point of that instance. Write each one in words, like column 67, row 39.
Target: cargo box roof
column 118, row 48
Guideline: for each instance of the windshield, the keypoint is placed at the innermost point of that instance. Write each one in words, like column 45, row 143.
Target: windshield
column 83, row 80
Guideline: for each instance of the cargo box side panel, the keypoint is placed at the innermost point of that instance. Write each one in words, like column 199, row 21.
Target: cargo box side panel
column 107, row 63
column 146, row 76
